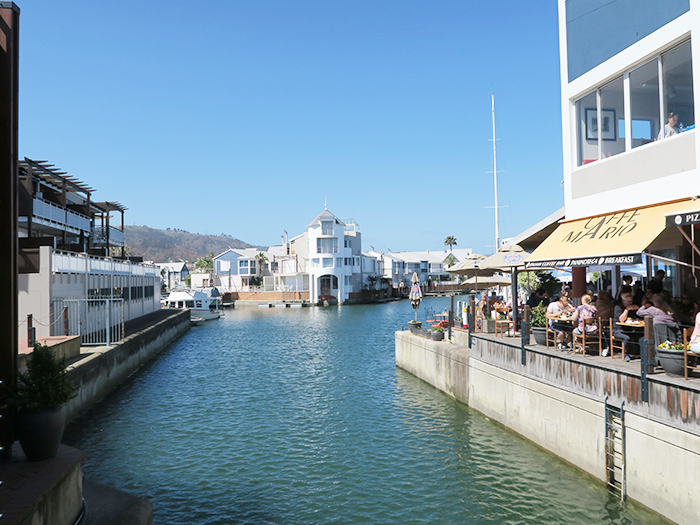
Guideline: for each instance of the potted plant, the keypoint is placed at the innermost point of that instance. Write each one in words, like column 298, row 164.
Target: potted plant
column 40, row 393
column 438, row 333
column 414, row 326
column 425, row 333
column 538, row 322
column 670, row 355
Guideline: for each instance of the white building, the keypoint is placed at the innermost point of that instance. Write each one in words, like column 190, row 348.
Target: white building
column 64, row 236
column 629, row 140
column 326, row 261
column 429, row 265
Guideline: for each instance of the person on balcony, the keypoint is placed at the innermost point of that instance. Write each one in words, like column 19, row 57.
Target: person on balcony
column 670, row 127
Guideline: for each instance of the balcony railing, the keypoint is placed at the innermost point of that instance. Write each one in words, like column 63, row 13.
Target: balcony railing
column 60, row 216
column 99, row 236
column 68, row 262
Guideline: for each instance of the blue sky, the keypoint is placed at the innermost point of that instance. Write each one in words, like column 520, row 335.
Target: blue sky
column 243, row 117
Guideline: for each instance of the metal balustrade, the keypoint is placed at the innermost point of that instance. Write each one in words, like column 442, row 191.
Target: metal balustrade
column 59, row 215
column 116, row 237
column 67, row 262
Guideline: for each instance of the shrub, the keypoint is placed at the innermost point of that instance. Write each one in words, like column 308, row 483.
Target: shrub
column 45, row 385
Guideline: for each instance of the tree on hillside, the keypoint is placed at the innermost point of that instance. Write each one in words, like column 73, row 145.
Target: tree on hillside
column 261, row 258
column 205, row 263
column 451, row 241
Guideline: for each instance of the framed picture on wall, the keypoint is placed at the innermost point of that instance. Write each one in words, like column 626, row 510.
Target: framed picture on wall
column 609, row 127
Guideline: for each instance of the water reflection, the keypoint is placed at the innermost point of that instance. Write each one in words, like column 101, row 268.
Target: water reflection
column 300, row 416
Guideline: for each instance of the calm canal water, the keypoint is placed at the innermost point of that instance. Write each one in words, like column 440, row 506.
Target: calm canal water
column 300, row 417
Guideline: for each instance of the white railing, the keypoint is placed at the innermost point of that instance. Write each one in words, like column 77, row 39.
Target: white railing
column 51, row 212
column 67, row 262
column 116, row 237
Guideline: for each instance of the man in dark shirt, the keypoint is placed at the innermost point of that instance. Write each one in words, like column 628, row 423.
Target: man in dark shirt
column 540, row 296
column 657, row 283
column 628, row 310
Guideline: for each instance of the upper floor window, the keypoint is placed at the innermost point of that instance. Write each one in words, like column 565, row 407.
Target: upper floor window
column 328, row 262
column 327, row 245
column 326, row 227
column 659, row 97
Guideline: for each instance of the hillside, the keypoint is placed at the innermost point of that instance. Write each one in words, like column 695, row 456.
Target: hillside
column 166, row 245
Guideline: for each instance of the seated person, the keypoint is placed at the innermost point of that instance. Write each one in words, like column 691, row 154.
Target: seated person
column 685, row 310
column 540, row 296
column 555, row 309
column 585, row 311
column 660, row 311
column 626, row 282
column 637, row 293
column 627, row 310
column 670, row 127
column 695, row 336
column 604, row 305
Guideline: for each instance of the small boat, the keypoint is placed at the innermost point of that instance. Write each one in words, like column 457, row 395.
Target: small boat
column 198, row 303
column 196, row 321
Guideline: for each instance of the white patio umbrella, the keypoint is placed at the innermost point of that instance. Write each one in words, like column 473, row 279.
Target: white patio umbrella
column 484, row 283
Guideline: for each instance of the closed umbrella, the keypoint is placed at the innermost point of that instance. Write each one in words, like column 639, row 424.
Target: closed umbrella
column 415, row 294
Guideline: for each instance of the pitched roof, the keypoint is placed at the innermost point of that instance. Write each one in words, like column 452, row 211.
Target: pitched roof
column 324, row 215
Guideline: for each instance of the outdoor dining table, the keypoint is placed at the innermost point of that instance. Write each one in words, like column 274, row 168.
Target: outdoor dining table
column 632, row 325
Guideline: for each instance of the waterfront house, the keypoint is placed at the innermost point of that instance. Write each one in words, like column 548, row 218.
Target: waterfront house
column 173, row 274
column 629, row 141
column 430, row 265
column 323, row 262
column 65, row 238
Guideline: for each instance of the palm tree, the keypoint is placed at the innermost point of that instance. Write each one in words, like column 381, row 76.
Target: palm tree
column 372, row 281
column 261, row 259
column 450, row 241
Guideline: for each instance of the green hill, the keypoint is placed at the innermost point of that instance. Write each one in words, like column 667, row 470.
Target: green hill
column 173, row 245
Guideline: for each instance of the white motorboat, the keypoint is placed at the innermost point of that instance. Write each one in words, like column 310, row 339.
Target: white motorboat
column 199, row 304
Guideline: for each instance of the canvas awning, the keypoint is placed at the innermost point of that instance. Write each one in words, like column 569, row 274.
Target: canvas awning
column 614, row 238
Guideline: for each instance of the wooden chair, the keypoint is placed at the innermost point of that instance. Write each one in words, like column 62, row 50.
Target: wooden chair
column 588, row 338
column 551, row 336
column 507, row 322
column 687, row 354
column 615, row 342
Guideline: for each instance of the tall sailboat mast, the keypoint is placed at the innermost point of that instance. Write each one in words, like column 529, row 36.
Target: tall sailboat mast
column 495, row 173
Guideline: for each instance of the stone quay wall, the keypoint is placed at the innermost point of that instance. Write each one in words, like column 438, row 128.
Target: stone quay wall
column 558, row 402
column 100, row 371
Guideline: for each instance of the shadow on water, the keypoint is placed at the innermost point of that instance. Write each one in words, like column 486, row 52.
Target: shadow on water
column 300, row 417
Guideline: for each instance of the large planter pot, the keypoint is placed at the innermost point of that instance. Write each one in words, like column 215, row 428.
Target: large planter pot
column 489, row 326
column 671, row 361
column 414, row 326
column 40, row 433
column 540, row 334
column 437, row 335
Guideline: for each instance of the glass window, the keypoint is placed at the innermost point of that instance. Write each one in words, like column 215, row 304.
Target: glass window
column 612, row 118
column 587, row 129
column 644, row 103
column 326, row 227
column 327, row 245
column 678, row 90
column 339, row 262
column 327, row 263
column 315, row 263
column 252, row 267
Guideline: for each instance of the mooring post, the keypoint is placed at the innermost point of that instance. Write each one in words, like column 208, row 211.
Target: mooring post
column 644, row 345
column 472, row 306
column 65, row 320
column 451, row 317
column 525, row 334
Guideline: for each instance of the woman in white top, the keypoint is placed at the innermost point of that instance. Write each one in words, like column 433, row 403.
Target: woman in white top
column 670, row 127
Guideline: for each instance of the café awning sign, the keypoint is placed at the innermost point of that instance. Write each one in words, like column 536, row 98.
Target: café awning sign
column 611, row 239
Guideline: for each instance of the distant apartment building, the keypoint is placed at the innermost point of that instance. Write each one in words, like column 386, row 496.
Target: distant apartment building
column 399, row 267
column 326, row 260
column 65, row 238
